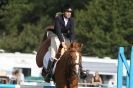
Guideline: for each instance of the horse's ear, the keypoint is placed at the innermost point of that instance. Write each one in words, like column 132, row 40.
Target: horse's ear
column 81, row 45
column 75, row 46
column 72, row 46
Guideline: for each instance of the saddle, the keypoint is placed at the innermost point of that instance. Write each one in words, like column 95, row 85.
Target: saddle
column 42, row 52
column 48, row 73
column 43, row 47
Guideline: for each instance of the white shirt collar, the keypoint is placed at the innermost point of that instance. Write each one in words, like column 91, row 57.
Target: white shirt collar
column 65, row 20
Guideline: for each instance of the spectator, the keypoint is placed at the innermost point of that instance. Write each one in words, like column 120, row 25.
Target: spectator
column 3, row 77
column 13, row 79
column 21, row 76
column 17, row 77
column 87, row 80
column 96, row 80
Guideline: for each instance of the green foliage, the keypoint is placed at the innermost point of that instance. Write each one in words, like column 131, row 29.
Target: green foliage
column 101, row 25
column 104, row 26
column 22, row 26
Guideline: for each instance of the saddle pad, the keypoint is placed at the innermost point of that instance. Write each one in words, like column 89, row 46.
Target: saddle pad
column 46, row 59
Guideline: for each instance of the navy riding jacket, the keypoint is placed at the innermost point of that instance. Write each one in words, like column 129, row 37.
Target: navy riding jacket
column 61, row 30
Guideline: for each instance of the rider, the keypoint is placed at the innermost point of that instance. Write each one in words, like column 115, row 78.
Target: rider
column 63, row 34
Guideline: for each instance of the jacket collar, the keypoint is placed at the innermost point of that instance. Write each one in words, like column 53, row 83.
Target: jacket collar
column 63, row 22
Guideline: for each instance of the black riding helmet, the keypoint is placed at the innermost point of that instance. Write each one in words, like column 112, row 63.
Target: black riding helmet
column 67, row 8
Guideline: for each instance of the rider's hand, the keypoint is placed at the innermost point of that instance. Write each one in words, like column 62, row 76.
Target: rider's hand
column 64, row 45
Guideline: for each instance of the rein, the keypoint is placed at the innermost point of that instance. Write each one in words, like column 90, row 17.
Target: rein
column 76, row 64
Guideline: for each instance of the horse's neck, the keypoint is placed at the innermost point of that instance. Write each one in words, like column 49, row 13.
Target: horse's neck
column 63, row 60
column 60, row 52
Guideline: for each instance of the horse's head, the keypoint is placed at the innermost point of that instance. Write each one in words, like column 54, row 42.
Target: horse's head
column 74, row 58
column 67, row 69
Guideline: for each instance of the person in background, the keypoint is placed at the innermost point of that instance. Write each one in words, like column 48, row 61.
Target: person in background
column 21, row 76
column 96, row 80
column 4, row 79
column 17, row 77
column 88, row 79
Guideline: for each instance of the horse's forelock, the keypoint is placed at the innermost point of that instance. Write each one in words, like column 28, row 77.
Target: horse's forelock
column 72, row 49
column 75, row 46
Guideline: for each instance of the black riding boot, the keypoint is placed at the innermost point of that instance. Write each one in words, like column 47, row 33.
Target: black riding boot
column 49, row 69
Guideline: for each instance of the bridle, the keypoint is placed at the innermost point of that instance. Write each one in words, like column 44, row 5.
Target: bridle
column 73, row 65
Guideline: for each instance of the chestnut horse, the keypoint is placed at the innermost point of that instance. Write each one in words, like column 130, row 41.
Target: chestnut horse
column 67, row 68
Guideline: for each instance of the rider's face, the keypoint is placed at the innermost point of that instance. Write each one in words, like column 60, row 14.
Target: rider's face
column 67, row 14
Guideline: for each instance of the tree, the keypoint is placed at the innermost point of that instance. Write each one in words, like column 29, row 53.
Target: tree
column 102, row 27
column 22, row 26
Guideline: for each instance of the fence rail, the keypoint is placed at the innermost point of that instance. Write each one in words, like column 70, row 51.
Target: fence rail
column 81, row 85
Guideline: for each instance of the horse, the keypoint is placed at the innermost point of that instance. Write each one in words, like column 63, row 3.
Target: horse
column 67, row 67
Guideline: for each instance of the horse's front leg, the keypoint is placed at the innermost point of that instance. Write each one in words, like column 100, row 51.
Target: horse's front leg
column 73, row 83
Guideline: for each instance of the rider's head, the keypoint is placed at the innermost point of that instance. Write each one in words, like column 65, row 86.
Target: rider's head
column 67, row 11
